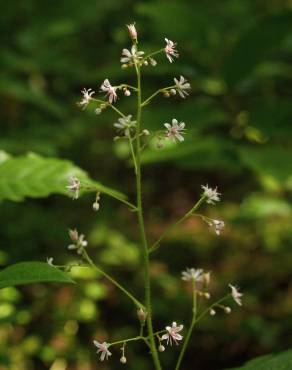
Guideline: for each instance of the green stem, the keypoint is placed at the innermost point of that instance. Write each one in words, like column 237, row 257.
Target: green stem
column 142, row 228
column 174, row 225
column 127, row 340
column 191, row 328
column 156, row 93
column 112, row 280
column 133, row 153
column 154, row 53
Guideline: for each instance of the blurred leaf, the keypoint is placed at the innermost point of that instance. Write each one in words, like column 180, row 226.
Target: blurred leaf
column 31, row 272
column 271, row 160
column 281, row 361
column 255, row 46
column 36, row 177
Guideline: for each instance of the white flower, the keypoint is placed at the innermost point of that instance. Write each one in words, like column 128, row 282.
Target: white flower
column 175, row 130
column 211, row 194
column 87, row 93
column 79, row 242
column 131, row 56
column 74, row 186
column 170, row 50
column 181, row 86
column 110, row 90
column 236, row 295
column 125, row 124
column 102, row 349
column 50, row 261
column 132, row 31
column 192, row 274
column 172, row 333
column 219, row 226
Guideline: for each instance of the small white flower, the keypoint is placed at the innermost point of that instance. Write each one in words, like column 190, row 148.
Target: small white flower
column 192, row 274
column 236, row 295
column 132, row 31
column 123, row 360
column 110, row 90
column 172, row 333
column 87, row 93
column 74, row 186
column 181, row 86
column 219, row 226
column 125, row 124
column 79, row 242
column 102, row 349
column 170, row 50
column 130, row 57
column 50, row 261
column 161, row 348
column 175, row 130
column 212, row 195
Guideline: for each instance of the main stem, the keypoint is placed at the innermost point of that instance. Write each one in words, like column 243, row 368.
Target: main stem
column 142, row 227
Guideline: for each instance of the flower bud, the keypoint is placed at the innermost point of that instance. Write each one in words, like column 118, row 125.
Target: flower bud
column 127, row 92
column 132, row 31
column 123, row 359
column 97, row 111
column 145, row 63
column 161, row 348
column 73, row 234
column 95, row 206
column 124, row 66
column 153, row 62
column 173, row 91
column 212, row 312
column 227, row 310
column 207, row 295
column 145, row 132
column 141, row 315
column 166, row 94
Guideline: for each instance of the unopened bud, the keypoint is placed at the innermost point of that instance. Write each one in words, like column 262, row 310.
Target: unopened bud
column 97, row 111
column 227, row 310
column 73, row 234
column 95, row 206
column 161, row 348
column 145, row 132
column 212, row 312
column 132, row 31
column 141, row 315
column 123, row 359
column 153, row 62
column 145, row 63
column 124, row 66
column 166, row 94
column 173, row 91
column 207, row 295
column 127, row 92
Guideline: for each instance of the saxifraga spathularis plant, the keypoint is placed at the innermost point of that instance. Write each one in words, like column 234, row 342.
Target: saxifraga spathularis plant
column 131, row 129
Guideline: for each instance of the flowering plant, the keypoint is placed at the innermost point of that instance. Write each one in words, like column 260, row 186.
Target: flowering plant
column 132, row 130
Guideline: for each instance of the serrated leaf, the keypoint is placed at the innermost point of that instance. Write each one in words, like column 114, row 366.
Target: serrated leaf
column 30, row 273
column 36, row 177
column 281, row 361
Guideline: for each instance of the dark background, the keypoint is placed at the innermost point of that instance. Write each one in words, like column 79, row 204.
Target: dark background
column 237, row 56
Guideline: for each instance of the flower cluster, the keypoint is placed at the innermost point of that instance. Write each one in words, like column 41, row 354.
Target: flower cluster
column 211, row 195
column 74, row 187
column 78, row 241
column 125, row 125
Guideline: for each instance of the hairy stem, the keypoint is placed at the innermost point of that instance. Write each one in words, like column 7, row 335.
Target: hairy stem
column 142, row 227
column 112, row 280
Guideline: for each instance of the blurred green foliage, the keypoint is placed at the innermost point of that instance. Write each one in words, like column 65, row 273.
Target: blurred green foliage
column 237, row 56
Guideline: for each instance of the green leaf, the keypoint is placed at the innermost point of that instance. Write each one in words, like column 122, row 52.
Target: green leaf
column 36, row 177
column 32, row 272
column 281, row 361
column 255, row 46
